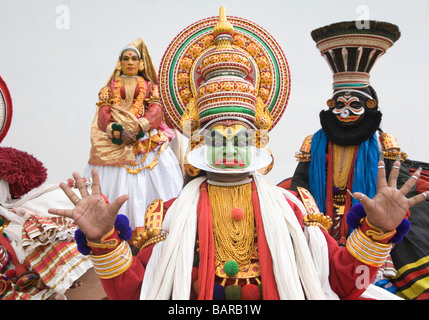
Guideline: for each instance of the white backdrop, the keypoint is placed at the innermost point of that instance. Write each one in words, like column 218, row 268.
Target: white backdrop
column 55, row 56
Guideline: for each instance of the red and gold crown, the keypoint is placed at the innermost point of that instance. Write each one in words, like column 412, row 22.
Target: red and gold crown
column 222, row 69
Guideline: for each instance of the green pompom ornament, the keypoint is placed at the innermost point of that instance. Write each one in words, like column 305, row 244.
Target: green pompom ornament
column 233, row 292
column 230, row 268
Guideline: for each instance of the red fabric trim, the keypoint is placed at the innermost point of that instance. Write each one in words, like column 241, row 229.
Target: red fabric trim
column 410, row 278
column 330, row 183
column 112, row 237
column 348, row 204
column 154, row 115
column 104, row 117
column 422, row 184
column 6, row 244
column 206, row 270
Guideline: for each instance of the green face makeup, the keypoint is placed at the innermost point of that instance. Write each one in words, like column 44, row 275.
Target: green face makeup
column 229, row 147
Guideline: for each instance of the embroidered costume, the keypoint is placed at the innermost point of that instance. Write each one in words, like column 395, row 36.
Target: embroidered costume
column 140, row 169
column 343, row 155
column 39, row 258
column 244, row 239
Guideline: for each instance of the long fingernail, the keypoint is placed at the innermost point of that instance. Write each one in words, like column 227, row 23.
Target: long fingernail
column 350, row 193
column 419, row 170
column 398, row 158
column 381, row 158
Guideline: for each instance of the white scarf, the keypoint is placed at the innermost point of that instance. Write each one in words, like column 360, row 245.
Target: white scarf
column 168, row 273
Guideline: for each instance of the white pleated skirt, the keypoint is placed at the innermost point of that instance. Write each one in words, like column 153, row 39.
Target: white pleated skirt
column 164, row 181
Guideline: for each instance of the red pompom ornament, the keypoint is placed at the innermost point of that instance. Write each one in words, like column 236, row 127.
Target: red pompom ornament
column 250, row 292
column 237, row 214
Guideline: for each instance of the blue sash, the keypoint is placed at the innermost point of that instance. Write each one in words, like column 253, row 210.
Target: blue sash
column 365, row 168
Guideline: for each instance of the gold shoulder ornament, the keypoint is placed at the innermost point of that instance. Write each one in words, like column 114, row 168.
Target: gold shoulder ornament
column 152, row 231
column 304, row 154
column 313, row 217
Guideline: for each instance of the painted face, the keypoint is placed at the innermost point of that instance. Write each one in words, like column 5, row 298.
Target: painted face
column 349, row 108
column 130, row 63
column 229, row 147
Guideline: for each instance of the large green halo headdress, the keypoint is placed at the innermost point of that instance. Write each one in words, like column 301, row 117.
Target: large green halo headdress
column 223, row 69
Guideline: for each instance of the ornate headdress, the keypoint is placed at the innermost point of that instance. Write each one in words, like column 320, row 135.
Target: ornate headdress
column 221, row 70
column 351, row 51
column 149, row 73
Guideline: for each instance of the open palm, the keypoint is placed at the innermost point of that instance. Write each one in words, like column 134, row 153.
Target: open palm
column 390, row 205
column 92, row 214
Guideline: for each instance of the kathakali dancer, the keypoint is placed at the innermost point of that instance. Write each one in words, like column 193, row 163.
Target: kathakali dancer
column 130, row 143
column 344, row 154
column 39, row 258
column 231, row 234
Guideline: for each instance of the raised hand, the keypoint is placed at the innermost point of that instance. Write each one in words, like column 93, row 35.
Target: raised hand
column 92, row 214
column 390, row 205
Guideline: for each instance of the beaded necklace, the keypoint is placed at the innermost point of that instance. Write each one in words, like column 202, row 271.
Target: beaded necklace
column 343, row 157
column 233, row 238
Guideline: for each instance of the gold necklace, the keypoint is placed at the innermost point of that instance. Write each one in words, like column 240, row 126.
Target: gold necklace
column 233, row 239
column 137, row 107
column 343, row 157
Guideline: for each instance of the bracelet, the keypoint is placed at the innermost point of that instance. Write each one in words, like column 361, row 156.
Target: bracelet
column 144, row 124
column 114, row 263
column 357, row 216
column 366, row 250
column 116, row 133
column 122, row 226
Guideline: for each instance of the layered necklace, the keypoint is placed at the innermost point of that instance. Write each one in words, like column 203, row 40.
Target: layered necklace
column 136, row 108
column 343, row 158
column 233, row 222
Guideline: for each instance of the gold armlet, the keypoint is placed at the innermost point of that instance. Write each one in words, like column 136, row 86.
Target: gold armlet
column 318, row 220
column 366, row 250
column 313, row 217
column 303, row 157
column 144, row 124
column 391, row 148
column 104, row 102
column 152, row 231
column 393, row 154
column 113, row 264
column 304, row 154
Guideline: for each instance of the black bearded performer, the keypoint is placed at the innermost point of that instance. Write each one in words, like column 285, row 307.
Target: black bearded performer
column 343, row 155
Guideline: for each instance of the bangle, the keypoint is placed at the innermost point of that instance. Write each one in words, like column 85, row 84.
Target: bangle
column 144, row 124
column 116, row 133
column 357, row 216
column 366, row 250
column 114, row 263
column 124, row 231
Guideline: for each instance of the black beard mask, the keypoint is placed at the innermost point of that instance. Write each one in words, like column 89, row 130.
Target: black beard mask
column 352, row 135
